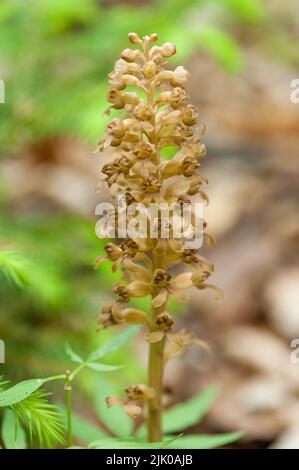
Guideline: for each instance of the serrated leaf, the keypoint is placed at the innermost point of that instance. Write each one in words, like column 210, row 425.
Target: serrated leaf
column 13, row 435
column 73, row 355
column 102, row 367
column 20, row 391
column 187, row 414
column 115, row 343
column 205, row 441
column 116, row 419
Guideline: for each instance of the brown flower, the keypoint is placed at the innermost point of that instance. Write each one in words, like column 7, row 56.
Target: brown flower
column 133, row 403
column 157, row 116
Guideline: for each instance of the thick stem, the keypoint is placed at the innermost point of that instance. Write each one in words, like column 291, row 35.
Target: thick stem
column 155, row 378
column 156, row 350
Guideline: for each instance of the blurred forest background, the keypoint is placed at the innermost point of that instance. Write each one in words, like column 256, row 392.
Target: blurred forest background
column 242, row 55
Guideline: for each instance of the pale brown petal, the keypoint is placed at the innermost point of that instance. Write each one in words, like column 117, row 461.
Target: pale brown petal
column 202, row 344
column 116, row 265
column 180, row 295
column 137, row 272
column 154, row 336
column 139, row 289
column 160, row 299
column 182, row 281
column 135, row 316
column 132, row 409
column 99, row 260
column 210, row 239
column 114, row 401
column 169, row 169
column 218, row 292
column 177, row 188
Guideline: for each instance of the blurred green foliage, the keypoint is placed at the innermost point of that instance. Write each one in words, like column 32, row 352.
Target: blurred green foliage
column 55, row 56
column 25, row 407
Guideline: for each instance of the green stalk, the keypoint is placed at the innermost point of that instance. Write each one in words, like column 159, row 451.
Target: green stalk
column 155, row 379
column 68, row 393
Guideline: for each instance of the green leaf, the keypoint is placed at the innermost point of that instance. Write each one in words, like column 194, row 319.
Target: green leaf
column 102, row 367
column 189, row 413
column 20, row 391
column 205, row 441
column 73, row 355
column 115, row 417
column 115, row 443
column 13, row 435
column 115, row 343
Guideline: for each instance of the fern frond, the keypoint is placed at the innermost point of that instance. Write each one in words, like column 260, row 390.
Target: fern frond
column 41, row 419
column 15, row 267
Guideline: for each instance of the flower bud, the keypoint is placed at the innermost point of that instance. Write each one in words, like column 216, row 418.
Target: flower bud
column 144, row 150
column 134, row 38
column 123, row 67
column 132, row 410
column 116, row 80
column 161, row 278
column 142, row 111
column 131, row 80
column 164, row 98
column 180, row 75
column 122, row 292
column 113, row 251
column 134, row 316
column 123, row 164
column 116, row 127
column 129, row 55
column 153, row 37
column 164, row 321
column 168, row 49
column 178, row 98
column 151, row 185
column 149, row 69
column 131, row 98
column 189, row 115
column 109, row 169
column 129, row 246
column 115, row 97
column 189, row 165
column 140, row 392
column 111, row 315
column 189, row 256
